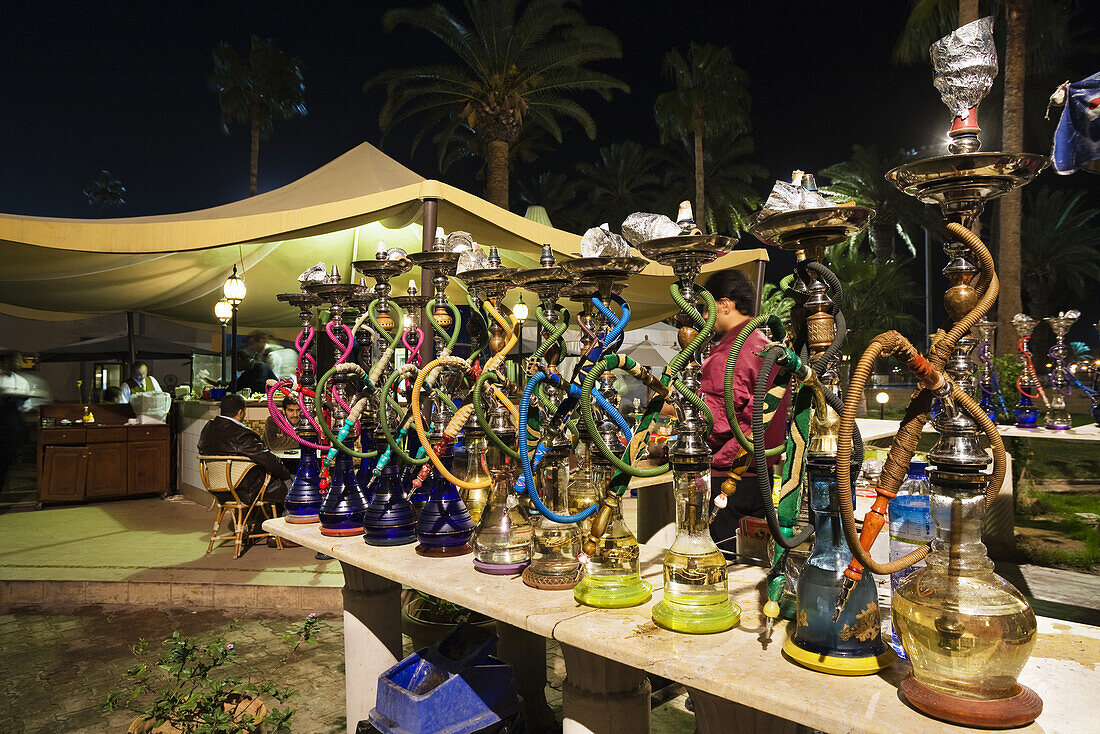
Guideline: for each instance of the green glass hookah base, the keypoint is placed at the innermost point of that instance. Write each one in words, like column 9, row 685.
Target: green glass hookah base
column 696, row 619
column 612, row 592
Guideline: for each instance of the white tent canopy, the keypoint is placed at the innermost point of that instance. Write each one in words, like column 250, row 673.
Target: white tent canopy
column 173, row 265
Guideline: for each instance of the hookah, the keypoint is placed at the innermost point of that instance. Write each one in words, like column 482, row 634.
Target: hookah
column 696, row 588
column 850, row 643
column 967, row 632
column 990, row 382
column 445, row 525
column 609, row 558
column 303, row 497
column 341, row 512
column 1061, row 379
column 1026, row 413
column 502, row 538
column 555, row 545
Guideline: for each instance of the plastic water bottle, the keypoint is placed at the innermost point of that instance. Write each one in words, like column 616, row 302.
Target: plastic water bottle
column 910, row 526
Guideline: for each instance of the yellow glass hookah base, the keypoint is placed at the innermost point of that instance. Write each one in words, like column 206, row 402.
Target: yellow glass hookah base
column 696, row 598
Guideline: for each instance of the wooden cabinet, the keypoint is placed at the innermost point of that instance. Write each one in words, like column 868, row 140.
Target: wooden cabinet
column 102, row 462
column 106, row 470
column 148, row 467
column 64, row 469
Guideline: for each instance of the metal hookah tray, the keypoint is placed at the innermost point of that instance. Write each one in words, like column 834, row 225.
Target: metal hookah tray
column 382, row 269
column 539, row 280
column 605, row 269
column 807, row 229
column 443, row 263
column 335, row 292
column 299, row 299
column 689, row 250
column 967, row 177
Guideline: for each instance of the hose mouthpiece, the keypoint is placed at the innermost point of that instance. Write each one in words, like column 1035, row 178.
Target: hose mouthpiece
column 845, row 592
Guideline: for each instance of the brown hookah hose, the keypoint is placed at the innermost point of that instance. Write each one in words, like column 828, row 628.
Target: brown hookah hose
column 905, row 442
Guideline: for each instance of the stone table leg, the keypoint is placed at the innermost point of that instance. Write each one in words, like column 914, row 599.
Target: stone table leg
column 714, row 715
column 526, row 652
column 601, row 696
column 372, row 637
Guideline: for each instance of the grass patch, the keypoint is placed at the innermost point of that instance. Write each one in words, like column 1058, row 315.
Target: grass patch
column 1050, row 533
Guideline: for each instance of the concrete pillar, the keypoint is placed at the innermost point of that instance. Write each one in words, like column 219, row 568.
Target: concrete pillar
column 601, row 696
column 526, row 653
column 714, row 715
column 372, row 637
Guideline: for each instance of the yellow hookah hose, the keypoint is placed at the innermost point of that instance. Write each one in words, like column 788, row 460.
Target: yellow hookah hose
column 418, row 421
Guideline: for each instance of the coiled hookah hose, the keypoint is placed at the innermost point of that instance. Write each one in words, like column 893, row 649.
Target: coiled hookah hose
column 994, row 389
column 1029, row 371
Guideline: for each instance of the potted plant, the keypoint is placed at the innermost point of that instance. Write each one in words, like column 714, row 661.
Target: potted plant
column 426, row 619
column 200, row 686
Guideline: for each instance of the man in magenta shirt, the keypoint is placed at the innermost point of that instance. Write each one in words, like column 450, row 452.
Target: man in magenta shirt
column 735, row 299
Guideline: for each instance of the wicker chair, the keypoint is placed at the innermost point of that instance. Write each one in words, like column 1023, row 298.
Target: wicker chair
column 221, row 475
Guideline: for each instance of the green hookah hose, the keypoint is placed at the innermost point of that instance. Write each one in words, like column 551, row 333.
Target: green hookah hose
column 778, row 333
column 475, row 310
column 557, row 332
column 621, row 479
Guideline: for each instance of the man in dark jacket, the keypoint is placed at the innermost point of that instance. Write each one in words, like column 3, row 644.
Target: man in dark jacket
column 226, row 435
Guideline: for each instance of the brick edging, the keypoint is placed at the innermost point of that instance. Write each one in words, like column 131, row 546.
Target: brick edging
column 165, row 593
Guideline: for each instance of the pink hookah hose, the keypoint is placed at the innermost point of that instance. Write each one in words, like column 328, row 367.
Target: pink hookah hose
column 302, row 344
column 414, row 350
column 281, row 421
column 346, row 347
column 1029, row 369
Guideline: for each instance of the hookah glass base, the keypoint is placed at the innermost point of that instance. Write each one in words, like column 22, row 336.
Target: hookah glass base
column 549, row 581
column 443, row 551
column 1019, row 709
column 612, row 592
column 500, row 569
column 694, row 618
column 835, row 664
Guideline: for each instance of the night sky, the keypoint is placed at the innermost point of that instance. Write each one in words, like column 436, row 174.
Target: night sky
column 98, row 85
column 92, row 87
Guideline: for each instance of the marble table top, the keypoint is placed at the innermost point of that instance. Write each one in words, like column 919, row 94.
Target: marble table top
column 872, row 428
column 734, row 664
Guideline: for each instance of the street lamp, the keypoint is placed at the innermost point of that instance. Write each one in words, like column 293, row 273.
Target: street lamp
column 233, row 289
column 223, row 311
column 521, row 312
column 882, row 399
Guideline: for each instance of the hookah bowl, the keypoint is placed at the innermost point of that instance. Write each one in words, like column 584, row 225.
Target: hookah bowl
column 852, row 645
column 303, row 497
column 1025, row 412
column 1057, row 417
column 967, row 632
column 444, row 527
column 390, row 518
column 341, row 513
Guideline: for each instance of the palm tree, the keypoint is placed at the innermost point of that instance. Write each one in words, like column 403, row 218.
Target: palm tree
column 622, row 180
column 557, row 194
column 711, row 97
column 1060, row 250
column 876, row 297
column 105, row 192
column 727, row 179
column 862, row 179
column 267, row 86
column 519, row 63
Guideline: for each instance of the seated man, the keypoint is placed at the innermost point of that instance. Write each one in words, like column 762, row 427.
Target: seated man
column 274, row 437
column 226, row 435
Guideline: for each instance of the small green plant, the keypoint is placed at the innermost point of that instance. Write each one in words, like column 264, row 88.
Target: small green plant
column 440, row 611
column 1008, row 370
column 200, row 687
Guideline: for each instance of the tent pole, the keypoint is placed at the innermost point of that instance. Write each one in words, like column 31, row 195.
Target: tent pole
column 131, row 348
column 427, row 286
column 759, row 285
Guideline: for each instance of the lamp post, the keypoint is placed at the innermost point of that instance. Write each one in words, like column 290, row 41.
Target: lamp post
column 233, row 289
column 223, row 311
column 882, row 399
column 521, row 312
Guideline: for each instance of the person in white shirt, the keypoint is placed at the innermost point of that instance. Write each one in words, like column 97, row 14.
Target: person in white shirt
column 139, row 381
